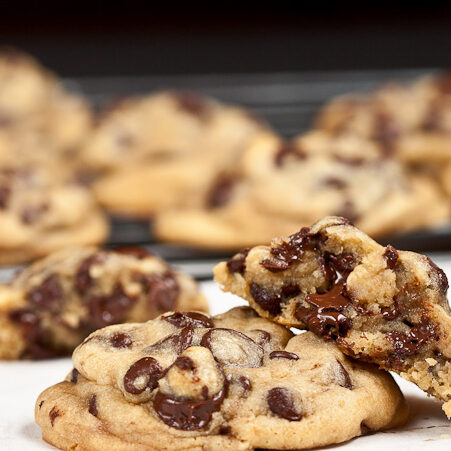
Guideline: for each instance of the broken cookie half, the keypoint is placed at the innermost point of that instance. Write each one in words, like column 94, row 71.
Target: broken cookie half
column 234, row 381
column 380, row 305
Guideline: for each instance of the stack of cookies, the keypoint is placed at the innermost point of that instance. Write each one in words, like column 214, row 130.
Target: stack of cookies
column 242, row 380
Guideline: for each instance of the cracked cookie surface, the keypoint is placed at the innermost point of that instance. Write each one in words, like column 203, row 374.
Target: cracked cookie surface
column 234, row 381
column 380, row 305
column 51, row 306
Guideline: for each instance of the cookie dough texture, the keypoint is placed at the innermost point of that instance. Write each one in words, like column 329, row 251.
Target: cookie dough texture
column 234, row 382
column 277, row 186
column 378, row 304
column 41, row 213
column 51, row 306
column 163, row 150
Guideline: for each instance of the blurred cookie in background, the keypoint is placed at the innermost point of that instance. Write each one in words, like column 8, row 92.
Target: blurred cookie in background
column 36, row 107
column 51, row 306
column 281, row 186
column 164, row 150
column 41, row 213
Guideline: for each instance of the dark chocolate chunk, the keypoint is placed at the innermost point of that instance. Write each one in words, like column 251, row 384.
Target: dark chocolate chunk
column 110, row 309
column 134, row 251
column 288, row 252
column 53, row 414
column 232, row 348
column 83, row 279
column 225, row 429
column 283, row 355
column 245, row 383
column 74, row 375
column 336, row 267
column 282, row 402
column 121, row 340
column 441, row 278
column 184, row 363
column 270, row 301
column 163, row 290
column 92, row 409
column 288, row 149
column 146, row 367
column 391, row 256
column 220, row 192
column 345, row 379
column 48, row 295
column 41, row 404
column 238, row 262
column 187, row 415
column 174, row 343
column 189, row 319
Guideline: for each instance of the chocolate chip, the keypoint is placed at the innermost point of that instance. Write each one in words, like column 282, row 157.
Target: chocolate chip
column 134, row 251
column 205, row 392
column 391, row 313
column 41, row 404
column 440, row 277
column 391, row 256
column 263, row 336
column 121, row 340
column 334, row 182
column 192, row 103
column 174, row 343
column 48, row 295
column 225, row 429
column 238, row 262
column 184, row 363
column 189, row 319
column 163, row 290
column 288, row 149
column 344, row 378
column 271, row 301
column 147, row 368
column 83, row 279
column 31, row 214
column 335, row 267
column 187, row 415
column 326, row 318
column 386, row 132
column 221, row 191
column 283, row 355
column 245, row 383
column 364, row 429
column 53, row 414
column 232, row 348
column 74, row 375
column 5, row 194
column 288, row 252
column 92, row 409
column 283, row 403
column 110, row 309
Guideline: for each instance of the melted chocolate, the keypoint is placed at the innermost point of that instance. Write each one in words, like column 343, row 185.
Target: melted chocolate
column 346, row 379
column 188, row 415
column 83, row 279
column 282, row 403
column 288, row 252
column 189, row 319
column 163, row 290
column 48, row 295
column 288, row 149
column 271, row 301
column 121, row 340
column 441, row 278
column 175, row 342
column 238, row 262
column 391, row 256
column 74, row 375
column 283, row 355
column 110, row 309
column 220, row 192
column 92, row 409
column 184, row 363
column 146, row 367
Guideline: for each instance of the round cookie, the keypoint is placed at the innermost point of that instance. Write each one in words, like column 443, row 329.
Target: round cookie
column 51, row 306
column 277, row 186
column 40, row 214
column 378, row 304
column 233, row 382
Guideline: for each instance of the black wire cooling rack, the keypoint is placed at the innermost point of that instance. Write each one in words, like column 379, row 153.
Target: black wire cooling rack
column 288, row 101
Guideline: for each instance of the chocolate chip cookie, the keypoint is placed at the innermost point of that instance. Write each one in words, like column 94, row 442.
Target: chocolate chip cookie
column 379, row 305
column 234, row 381
column 278, row 186
column 163, row 150
column 52, row 305
column 40, row 214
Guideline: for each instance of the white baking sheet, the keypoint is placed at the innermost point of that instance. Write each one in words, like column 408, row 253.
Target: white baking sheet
column 21, row 383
